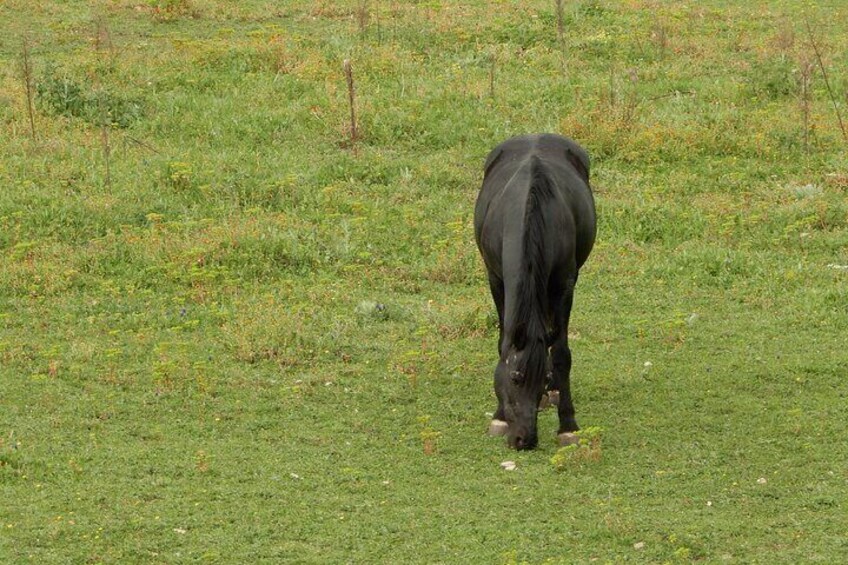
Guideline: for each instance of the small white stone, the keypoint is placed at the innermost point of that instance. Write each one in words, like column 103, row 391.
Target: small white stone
column 508, row 465
column 762, row 481
column 639, row 545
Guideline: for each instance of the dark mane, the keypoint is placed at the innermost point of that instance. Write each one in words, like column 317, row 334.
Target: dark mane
column 530, row 329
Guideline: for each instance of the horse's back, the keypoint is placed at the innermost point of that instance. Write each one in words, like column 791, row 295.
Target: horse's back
column 564, row 162
column 550, row 147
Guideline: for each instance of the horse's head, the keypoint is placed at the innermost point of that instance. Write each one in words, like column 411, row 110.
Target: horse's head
column 520, row 379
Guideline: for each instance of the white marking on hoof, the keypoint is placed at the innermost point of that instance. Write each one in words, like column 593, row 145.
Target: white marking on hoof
column 498, row 428
column 567, row 438
column 553, row 397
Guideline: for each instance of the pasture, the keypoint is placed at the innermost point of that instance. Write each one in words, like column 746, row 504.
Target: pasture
column 230, row 334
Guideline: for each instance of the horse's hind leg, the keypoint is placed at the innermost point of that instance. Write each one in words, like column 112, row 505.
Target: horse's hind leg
column 498, row 425
column 562, row 381
column 561, row 361
column 496, row 286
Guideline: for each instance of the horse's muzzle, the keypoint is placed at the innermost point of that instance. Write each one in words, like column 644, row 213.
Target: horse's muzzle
column 523, row 441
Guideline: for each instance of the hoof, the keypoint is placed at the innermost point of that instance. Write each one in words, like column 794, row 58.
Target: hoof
column 550, row 398
column 567, row 438
column 498, row 428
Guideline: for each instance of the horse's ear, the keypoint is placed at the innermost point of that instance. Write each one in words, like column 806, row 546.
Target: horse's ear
column 491, row 160
column 580, row 161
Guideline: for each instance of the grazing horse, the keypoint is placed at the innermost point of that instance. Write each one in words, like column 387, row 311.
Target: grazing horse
column 534, row 222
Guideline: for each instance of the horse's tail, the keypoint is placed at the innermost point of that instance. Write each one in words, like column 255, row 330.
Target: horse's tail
column 530, row 315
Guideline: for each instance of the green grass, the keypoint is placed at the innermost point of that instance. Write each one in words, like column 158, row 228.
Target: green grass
column 193, row 366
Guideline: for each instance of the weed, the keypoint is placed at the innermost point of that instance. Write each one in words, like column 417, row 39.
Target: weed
column 586, row 450
column 363, row 15
column 351, row 95
column 805, row 80
column 658, row 35
column 492, row 66
column 171, row 10
column 773, row 78
column 560, row 25
column 429, row 436
column 814, row 44
column 784, row 38
column 26, row 68
column 179, row 176
column 63, row 95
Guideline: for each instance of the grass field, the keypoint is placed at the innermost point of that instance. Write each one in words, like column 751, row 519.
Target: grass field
column 230, row 335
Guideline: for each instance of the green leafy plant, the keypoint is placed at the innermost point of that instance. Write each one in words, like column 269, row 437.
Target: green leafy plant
column 429, row 436
column 587, row 449
column 62, row 94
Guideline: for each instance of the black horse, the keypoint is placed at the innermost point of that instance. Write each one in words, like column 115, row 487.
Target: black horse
column 535, row 225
